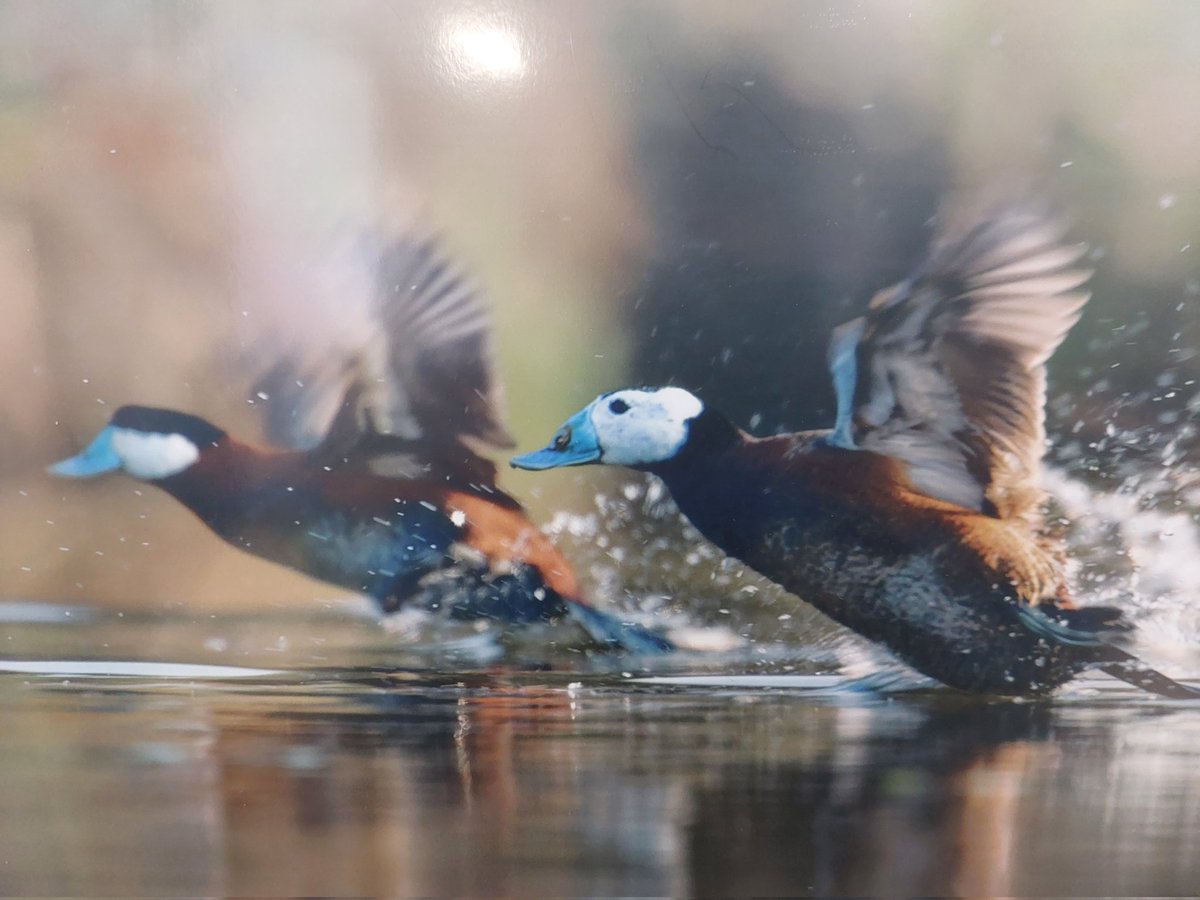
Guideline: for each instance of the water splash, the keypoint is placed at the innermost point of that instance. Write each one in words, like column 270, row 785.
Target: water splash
column 638, row 553
column 1131, row 549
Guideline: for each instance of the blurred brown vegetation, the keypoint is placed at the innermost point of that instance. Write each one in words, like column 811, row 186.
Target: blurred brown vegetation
column 664, row 190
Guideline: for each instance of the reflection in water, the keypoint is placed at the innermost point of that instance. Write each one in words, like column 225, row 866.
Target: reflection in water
column 459, row 793
column 926, row 809
column 385, row 784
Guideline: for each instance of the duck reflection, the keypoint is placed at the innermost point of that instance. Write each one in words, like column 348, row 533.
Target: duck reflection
column 490, row 785
column 487, row 792
column 501, row 790
column 928, row 809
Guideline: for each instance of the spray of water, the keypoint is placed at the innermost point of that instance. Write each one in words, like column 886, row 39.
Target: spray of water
column 1129, row 550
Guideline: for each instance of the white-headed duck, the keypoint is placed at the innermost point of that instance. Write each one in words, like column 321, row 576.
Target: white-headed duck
column 916, row 520
column 390, row 497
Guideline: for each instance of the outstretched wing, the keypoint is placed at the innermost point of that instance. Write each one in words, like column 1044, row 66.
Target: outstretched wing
column 946, row 371
column 414, row 394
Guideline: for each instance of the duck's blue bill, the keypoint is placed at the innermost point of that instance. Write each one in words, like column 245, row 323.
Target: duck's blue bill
column 96, row 458
column 574, row 445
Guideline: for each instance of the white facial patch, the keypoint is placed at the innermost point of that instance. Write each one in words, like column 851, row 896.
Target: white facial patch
column 643, row 427
column 152, row 456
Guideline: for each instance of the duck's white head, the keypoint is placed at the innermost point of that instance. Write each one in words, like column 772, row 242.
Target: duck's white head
column 631, row 427
column 149, row 444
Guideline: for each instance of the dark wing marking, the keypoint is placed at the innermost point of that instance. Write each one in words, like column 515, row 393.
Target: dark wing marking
column 415, row 394
column 946, row 371
column 439, row 351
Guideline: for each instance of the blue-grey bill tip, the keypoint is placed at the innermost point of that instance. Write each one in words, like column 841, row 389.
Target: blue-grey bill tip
column 96, row 458
column 574, row 445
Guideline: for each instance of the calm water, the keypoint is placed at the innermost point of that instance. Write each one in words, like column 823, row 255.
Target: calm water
column 261, row 768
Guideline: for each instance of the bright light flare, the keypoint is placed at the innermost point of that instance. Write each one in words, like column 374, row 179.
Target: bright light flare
column 478, row 49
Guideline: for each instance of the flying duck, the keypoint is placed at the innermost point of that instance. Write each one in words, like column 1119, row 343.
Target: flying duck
column 916, row 520
column 376, row 482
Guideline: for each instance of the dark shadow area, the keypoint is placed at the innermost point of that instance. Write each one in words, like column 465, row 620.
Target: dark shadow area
column 776, row 220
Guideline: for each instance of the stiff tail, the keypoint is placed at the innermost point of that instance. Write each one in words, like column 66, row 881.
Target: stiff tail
column 1082, row 627
column 1132, row 670
column 612, row 632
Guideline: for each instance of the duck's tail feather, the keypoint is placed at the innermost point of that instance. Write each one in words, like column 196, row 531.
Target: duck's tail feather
column 609, row 630
column 1132, row 670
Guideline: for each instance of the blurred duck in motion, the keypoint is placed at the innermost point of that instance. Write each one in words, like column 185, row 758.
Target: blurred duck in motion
column 382, row 490
column 917, row 520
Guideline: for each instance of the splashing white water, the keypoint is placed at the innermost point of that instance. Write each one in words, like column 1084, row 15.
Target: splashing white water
column 1144, row 560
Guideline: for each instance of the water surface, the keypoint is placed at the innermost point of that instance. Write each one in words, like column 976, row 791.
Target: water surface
column 240, row 773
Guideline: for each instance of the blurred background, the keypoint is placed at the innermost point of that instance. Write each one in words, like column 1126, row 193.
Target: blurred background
column 693, row 192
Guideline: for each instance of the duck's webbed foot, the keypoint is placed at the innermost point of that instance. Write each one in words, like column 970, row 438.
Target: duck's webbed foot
column 1075, row 627
column 465, row 592
column 610, row 631
column 1091, row 627
column 1088, row 620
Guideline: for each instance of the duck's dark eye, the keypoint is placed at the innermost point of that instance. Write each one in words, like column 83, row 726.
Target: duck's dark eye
column 562, row 440
column 618, row 406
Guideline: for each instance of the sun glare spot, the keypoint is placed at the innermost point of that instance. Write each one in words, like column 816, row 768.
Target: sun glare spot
column 479, row 49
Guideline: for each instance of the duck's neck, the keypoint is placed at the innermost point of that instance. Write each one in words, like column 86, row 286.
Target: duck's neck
column 709, row 435
column 698, row 476
column 228, row 482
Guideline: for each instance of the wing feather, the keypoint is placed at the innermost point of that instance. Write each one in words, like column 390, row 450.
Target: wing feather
column 414, row 393
column 948, row 372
